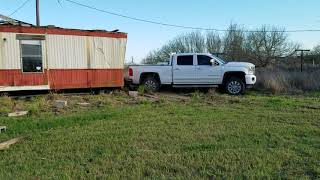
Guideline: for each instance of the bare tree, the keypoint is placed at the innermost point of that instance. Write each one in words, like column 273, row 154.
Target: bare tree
column 262, row 46
column 314, row 56
column 191, row 42
column 266, row 44
column 234, row 41
column 213, row 42
column 316, row 50
column 152, row 58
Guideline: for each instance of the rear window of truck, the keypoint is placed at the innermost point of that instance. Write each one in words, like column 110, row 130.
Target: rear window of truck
column 185, row 60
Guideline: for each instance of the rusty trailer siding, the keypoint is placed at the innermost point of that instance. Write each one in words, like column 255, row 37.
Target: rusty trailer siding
column 71, row 58
column 14, row 77
column 84, row 78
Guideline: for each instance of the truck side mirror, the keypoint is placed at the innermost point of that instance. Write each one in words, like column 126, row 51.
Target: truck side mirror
column 213, row 62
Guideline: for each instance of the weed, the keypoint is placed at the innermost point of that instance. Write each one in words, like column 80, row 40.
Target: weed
column 281, row 81
column 141, row 90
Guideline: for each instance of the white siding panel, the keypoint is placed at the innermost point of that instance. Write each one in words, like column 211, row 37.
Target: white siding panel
column 44, row 54
column 107, row 52
column 10, row 52
column 67, row 52
column 1, row 51
column 10, row 57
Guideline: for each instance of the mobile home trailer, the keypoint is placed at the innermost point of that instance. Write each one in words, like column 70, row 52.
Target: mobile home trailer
column 50, row 58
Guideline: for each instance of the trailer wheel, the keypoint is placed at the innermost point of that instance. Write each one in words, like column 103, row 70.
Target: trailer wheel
column 235, row 86
column 151, row 84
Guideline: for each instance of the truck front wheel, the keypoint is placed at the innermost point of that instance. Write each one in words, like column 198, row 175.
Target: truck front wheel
column 151, row 84
column 235, row 86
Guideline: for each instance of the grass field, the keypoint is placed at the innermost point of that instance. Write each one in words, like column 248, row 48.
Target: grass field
column 204, row 136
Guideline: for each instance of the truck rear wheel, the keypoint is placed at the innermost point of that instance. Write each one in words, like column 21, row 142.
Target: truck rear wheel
column 151, row 84
column 235, row 86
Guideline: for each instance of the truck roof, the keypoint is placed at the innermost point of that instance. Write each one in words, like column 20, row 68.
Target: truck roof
column 191, row 54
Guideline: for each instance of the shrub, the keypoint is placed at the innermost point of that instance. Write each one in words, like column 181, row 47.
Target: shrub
column 285, row 81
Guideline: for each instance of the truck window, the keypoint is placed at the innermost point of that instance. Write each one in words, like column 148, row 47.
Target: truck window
column 185, row 60
column 204, row 60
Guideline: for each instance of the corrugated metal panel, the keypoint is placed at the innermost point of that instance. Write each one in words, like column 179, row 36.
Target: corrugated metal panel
column 106, row 78
column 68, row 78
column 1, row 50
column 64, row 78
column 107, row 52
column 10, row 52
column 84, row 78
column 15, row 77
column 66, row 52
column 44, row 54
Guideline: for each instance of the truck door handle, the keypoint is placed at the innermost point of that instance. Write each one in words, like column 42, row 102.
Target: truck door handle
column 198, row 68
column 177, row 69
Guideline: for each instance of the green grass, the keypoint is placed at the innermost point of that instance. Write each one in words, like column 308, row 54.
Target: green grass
column 208, row 136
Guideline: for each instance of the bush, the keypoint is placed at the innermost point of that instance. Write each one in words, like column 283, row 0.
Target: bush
column 284, row 81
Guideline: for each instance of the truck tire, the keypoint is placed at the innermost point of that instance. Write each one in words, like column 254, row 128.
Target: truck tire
column 151, row 84
column 235, row 86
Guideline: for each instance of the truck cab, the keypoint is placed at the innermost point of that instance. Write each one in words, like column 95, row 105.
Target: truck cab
column 195, row 70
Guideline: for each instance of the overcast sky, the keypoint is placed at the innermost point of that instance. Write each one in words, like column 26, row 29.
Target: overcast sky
column 143, row 37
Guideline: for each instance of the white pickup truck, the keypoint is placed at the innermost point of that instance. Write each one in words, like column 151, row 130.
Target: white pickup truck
column 194, row 70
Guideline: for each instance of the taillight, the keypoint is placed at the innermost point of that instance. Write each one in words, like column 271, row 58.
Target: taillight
column 130, row 72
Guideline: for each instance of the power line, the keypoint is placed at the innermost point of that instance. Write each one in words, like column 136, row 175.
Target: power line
column 138, row 19
column 180, row 26
column 20, row 7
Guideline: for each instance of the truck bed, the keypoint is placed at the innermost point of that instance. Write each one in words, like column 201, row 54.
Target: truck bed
column 164, row 71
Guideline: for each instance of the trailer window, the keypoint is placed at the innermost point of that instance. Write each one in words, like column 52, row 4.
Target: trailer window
column 31, row 55
column 185, row 60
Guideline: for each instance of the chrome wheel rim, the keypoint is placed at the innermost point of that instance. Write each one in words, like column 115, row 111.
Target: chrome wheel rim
column 234, row 87
column 150, row 85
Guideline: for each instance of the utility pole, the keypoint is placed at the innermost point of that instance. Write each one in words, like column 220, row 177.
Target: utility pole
column 302, row 54
column 37, row 12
